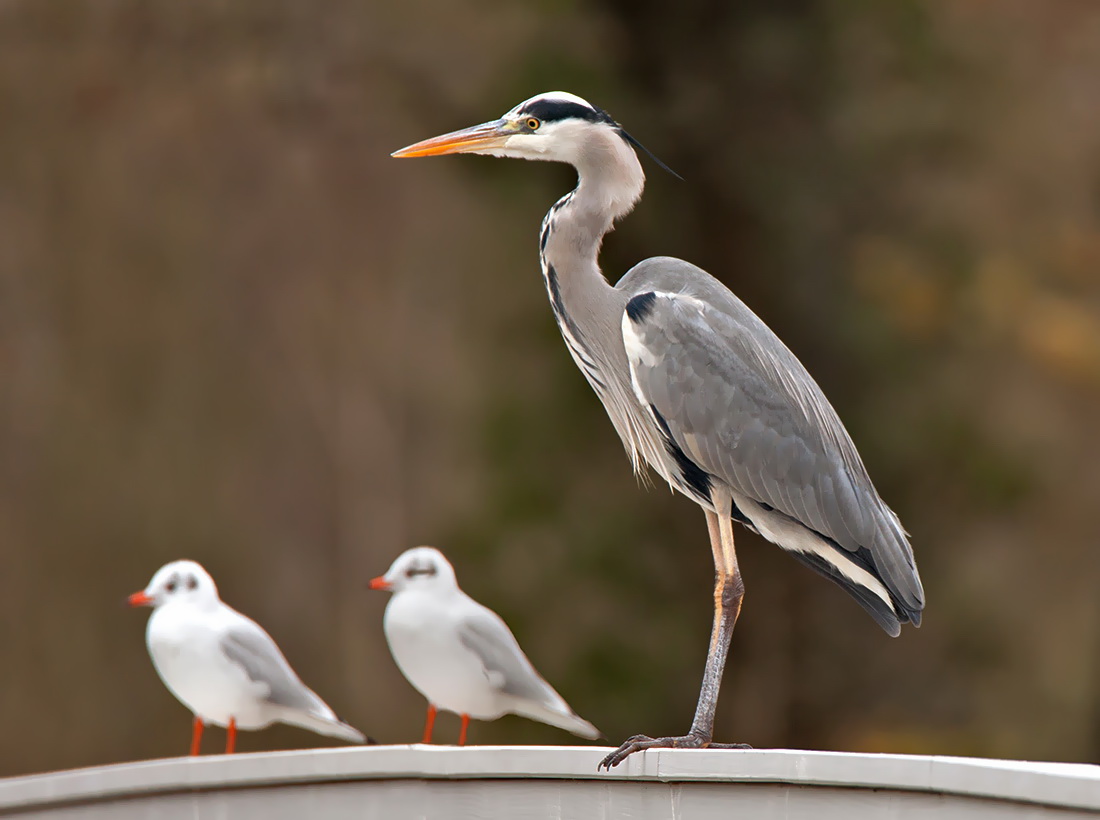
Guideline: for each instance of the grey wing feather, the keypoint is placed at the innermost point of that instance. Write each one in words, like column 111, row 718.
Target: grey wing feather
column 745, row 409
column 248, row 645
column 485, row 634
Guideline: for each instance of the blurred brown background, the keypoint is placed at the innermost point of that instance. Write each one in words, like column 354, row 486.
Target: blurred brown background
column 233, row 329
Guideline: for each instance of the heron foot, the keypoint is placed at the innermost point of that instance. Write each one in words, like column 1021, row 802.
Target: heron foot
column 639, row 743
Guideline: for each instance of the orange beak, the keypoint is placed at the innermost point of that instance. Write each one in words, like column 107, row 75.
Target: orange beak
column 477, row 138
column 139, row 599
column 379, row 583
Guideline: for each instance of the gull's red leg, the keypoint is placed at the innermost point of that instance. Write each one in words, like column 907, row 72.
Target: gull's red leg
column 462, row 731
column 428, row 724
column 231, row 736
column 196, row 735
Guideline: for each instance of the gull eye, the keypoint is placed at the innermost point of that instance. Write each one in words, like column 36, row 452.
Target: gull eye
column 533, row 123
column 191, row 582
column 170, row 586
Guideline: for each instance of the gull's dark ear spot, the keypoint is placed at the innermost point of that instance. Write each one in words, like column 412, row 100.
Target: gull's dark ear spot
column 426, row 569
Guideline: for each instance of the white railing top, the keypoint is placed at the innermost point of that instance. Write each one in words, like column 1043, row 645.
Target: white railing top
column 1066, row 785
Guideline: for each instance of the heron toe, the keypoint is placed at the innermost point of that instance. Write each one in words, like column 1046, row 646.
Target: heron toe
column 639, row 743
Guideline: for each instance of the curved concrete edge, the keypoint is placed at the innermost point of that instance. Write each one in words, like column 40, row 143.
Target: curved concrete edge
column 1062, row 785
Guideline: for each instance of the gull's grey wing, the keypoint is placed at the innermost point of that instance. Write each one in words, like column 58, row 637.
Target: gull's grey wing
column 509, row 671
column 736, row 401
column 246, row 644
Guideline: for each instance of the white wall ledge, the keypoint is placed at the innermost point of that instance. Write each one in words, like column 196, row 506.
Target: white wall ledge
column 400, row 778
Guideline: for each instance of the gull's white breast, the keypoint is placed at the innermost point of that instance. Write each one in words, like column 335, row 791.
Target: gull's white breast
column 185, row 645
column 422, row 631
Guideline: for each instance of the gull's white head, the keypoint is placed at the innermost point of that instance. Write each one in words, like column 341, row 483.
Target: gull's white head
column 177, row 581
column 422, row 568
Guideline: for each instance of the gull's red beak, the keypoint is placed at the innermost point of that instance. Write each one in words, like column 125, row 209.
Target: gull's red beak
column 379, row 583
column 139, row 599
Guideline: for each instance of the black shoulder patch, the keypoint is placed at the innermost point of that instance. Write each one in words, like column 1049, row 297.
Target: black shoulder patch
column 550, row 110
column 641, row 306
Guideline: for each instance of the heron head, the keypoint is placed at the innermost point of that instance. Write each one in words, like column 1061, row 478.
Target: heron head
column 556, row 126
column 177, row 581
column 419, row 568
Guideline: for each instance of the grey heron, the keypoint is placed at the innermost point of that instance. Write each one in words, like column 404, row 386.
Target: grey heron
column 699, row 389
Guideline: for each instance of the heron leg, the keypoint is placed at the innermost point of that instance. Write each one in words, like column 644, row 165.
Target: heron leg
column 728, row 593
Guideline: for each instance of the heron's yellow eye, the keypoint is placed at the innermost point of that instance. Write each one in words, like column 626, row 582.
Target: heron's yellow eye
column 533, row 123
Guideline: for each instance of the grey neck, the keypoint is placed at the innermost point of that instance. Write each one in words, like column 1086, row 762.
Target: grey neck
column 587, row 308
